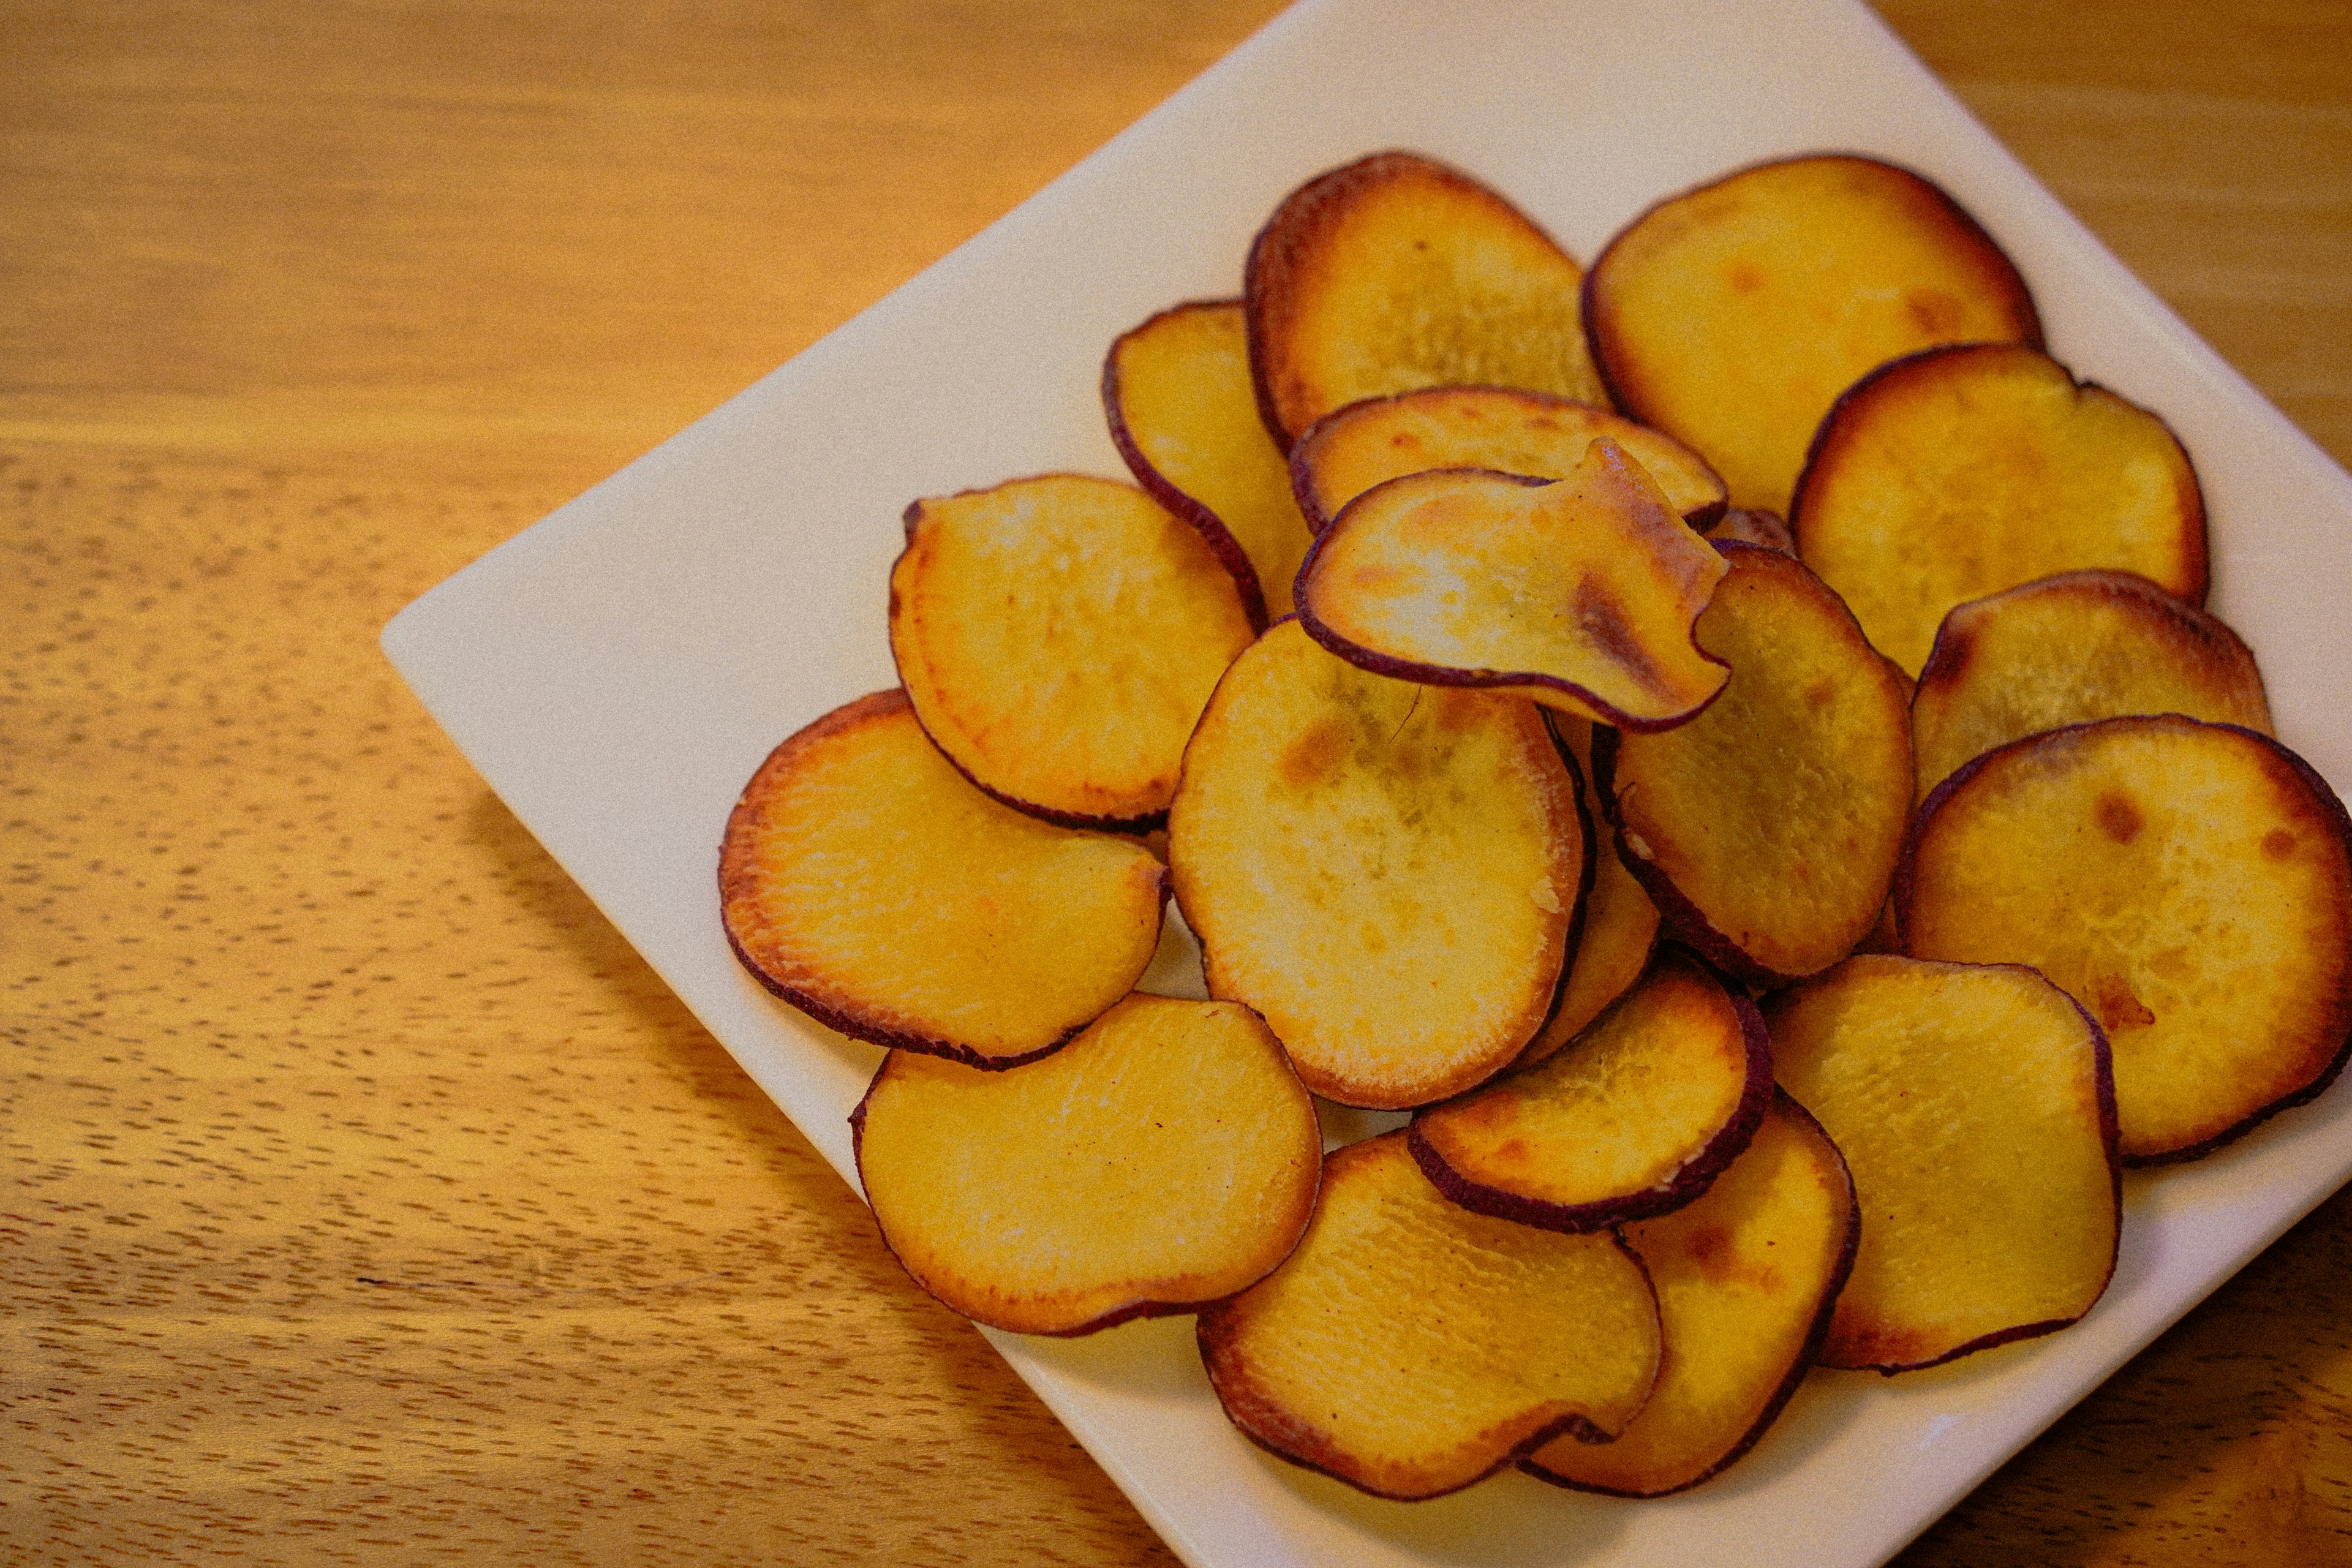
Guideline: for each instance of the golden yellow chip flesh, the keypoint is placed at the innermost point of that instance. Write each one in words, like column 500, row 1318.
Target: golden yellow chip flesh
column 1579, row 593
column 1342, row 1361
column 1166, row 1157
column 1620, row 925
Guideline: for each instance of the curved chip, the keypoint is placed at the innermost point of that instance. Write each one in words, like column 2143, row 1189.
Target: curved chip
column 2067, row 649
column 1394, row 272
column 1341, row 1360
column 1635, row 1117
column 1058, row 637
column 1391, row 874
column 2191, row 884
column 864, row 880
column 1620, row 925
column 1959, row 472
column 1746, row 1278
column 1580, row 593
column 1351, row 449
column 1975, row 1110
column 1183, row 413
column 1766, row 829
column 1166, row 1157
column 1732, row 316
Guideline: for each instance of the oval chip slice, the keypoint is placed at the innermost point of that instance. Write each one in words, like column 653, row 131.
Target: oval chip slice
column 1183, row 413
column 1975, row 1107
column 1635, row 1117
column 1349, row 450
column 1958, row 472
column 1733, row 315
column 2191, row 884
column 1392, row 874
column 1166, row 1157
column 865, row 880
column 1410, row 1347
column 1058, row 637
column 1580, row 593
column 1747, row 1278
column 1394, row 272
column 2067, row 649
column 1766, row 829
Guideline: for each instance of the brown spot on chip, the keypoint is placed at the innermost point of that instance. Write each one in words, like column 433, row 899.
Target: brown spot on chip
column 2118, row 816
column 1315, row 757
column 2118, row 1008
column 1937, row 311
column 2278, row 844
column 1745, row 276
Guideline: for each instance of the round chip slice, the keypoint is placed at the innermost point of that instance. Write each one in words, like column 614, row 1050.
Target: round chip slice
column 1166, row 1157
column 1392, row 874
column 1766, row 829
column 864, row 880
column 1395, row 272
column 1732, row 316
column 1410, row 1347
column 2191, row 884
column 1958, row 472
column 1058, row 637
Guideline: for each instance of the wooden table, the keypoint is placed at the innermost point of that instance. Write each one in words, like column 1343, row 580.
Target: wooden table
column 368, row 1199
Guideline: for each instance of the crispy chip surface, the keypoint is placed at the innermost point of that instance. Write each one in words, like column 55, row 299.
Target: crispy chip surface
column 865, row 880
column 1058, row 637
column 1962, row 471
column 1396, row 271
column 1620, row 925
column 1410, row 1347
column 2189, row 884
column 1183, row 413
column 1580, row 593
column 1733, row 315
column 1166, row 1157
column 1389, row 873
column 1974, row 1108
column 2067, row 649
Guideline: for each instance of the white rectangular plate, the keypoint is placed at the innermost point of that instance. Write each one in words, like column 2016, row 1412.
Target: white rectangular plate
column 618, row 670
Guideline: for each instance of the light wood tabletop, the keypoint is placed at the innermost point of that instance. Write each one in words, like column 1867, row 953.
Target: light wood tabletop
column 368, row 1199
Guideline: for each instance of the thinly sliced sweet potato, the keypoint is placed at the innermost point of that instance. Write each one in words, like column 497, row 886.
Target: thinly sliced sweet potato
column 1731, row 316
column 1580, row 593
column 1766, row 829
column 1410, row 1347
column 2068, row 650
column 1391, row 874
column 2191, row 884
column 1635, row 1117
column 1166, row 1157
column 1958, row 472
column 1975, row 1107
column 1183, row 413
column 1058, row 637
column 1349, row 450
column 1746, row 1278
column 1395, row 272
column 1620, row 925
column 864, row 880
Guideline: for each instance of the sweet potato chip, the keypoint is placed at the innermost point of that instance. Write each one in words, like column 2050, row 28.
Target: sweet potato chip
column 1396, row 272
column 1732, row 316
column 1391, row 874
column 864, row 880
column 1058, row 637
column 1183, row 413
column 1580, row 593
column 1750, row 526
column 1349, row 450
column 2191, row 884
column 1975, row 1107
column 1747, row 1276
column 1635, row 1117
column 2068, row 650
column 1620, row 925
column 1766, row 829
column 1961, row 471
column 1410, row 1347
column 1166, row 1157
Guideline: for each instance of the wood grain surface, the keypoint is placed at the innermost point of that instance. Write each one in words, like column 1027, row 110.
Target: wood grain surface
column 368, row 1199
